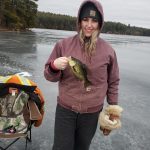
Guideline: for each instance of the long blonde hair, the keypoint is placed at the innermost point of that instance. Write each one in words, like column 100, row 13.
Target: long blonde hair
column 89, row 44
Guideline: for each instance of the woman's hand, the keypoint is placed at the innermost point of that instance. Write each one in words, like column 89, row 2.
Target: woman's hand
column 61, row 63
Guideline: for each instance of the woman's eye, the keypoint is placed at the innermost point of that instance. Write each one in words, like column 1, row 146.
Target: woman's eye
column 85, row 19
column 95, row 20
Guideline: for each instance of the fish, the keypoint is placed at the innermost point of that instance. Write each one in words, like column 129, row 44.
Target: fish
column 79, row 70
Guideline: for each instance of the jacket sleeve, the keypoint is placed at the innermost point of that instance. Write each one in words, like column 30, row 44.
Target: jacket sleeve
column 49, row 73
column 113, row 80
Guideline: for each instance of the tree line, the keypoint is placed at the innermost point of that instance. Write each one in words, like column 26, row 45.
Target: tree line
column 23, row 14
column 17, row 14
column 63, row 22
column 55, row 21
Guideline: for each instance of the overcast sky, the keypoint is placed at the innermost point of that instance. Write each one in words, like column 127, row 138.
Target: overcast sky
column 133, row 12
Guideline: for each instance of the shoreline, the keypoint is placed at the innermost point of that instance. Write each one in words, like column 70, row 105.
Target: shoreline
column 12, row 30
column 4, row 29
column 30, row 30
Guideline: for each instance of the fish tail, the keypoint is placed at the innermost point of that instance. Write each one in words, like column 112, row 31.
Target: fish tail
column 87, row 83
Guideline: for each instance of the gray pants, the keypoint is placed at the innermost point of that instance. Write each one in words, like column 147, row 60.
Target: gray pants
column 73, row 131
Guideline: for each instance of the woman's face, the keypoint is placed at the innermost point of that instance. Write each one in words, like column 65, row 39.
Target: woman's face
column 88, row 26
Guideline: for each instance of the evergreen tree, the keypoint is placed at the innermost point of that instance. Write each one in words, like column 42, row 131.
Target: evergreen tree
column 17, row 14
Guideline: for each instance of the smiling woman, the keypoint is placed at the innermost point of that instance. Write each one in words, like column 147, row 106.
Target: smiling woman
column 91, row 23
column 95, row 63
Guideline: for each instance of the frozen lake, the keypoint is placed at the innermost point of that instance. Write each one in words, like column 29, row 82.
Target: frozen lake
column 28, row 51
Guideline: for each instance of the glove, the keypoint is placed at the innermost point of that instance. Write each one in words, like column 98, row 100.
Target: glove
column 112, row 120
column 114, row 110
column 61, row 63
column 109, row 119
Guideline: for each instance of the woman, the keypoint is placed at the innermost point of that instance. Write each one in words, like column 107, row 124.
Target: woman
column 78, row 109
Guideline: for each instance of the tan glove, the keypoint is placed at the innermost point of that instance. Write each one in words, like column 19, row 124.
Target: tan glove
column 105, row 130
column 61, row 63
column 109, row 119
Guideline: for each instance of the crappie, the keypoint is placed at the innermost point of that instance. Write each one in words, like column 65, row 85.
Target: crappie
column 79, row 70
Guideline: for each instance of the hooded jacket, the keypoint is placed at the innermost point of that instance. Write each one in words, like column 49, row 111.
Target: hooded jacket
column 102, row 71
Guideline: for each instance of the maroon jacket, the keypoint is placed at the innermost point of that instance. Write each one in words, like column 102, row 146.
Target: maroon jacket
column 102, row 71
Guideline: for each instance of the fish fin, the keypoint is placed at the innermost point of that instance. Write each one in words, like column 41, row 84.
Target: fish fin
column 77, row 60
column 74, row 69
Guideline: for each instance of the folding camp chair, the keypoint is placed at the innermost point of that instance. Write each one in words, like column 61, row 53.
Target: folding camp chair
column 18, row 112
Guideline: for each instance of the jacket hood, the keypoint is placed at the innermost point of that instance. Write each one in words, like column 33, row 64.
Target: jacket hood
column 99, row 7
